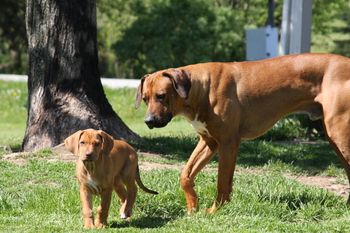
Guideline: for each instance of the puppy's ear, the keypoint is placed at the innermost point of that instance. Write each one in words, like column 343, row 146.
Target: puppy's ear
column 139, row 92
column 72, row 142
column 181, row 81
column 107, row 141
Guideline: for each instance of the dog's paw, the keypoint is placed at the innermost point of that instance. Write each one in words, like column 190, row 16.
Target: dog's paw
column 89, row 226
column 191, row 211
column 100, row 225
column 123, row 216
column 211, row 210
column 89, row 223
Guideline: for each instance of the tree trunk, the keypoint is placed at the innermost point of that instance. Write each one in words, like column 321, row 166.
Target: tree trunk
column 65, row 93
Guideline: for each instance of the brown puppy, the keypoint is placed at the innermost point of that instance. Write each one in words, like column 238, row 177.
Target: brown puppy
column 104, row 164
column 230, row 102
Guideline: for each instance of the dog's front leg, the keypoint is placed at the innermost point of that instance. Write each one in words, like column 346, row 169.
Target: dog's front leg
column 102, row 210
column 86, row 202
column 228, row 151
column 199, row 158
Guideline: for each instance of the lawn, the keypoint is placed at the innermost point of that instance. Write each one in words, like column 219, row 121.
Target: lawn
column 41, row 194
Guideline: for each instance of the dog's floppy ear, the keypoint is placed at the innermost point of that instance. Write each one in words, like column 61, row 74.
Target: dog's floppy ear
column 107, row 141
column 139, row 92
column 72, row 142
column 181, row 81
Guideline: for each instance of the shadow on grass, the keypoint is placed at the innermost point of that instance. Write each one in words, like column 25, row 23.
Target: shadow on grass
column 315, row 156
column 176, row 148
column 142, row 222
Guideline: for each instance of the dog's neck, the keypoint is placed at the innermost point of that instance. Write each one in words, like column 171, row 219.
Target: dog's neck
column 197, row 99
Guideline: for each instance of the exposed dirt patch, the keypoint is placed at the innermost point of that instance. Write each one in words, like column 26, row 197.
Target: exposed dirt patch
column 148, row 166
column 332, row 184
column 326, row 182
column 19, row 158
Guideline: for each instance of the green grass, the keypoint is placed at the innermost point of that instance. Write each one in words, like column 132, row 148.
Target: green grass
column 13, row 113
column 42, row 195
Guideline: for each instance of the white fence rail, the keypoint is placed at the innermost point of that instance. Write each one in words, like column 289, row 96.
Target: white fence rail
column 108, row 82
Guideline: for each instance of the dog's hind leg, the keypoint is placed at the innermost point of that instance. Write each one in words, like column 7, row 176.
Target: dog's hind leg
column 199, row 158
column 119, row 188
column 337, row 126
column 131, row 195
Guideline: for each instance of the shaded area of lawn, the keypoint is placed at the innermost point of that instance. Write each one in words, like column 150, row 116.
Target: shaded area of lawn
column 315, row 157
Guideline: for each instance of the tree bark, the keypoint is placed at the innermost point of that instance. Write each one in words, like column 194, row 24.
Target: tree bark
column 65, row 93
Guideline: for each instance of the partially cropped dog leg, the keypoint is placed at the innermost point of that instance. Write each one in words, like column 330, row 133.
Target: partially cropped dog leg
column 122, row 194
column 102, row 210
column 338, row 130
column 227, row 161
column 199, row 158
column 336, row 111
column 86, row 202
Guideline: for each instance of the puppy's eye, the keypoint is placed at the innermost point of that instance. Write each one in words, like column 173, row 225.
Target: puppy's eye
column 145, row 99
column 160, row 97
column 82, row 143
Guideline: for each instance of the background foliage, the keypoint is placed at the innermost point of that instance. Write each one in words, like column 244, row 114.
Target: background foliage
column 13, row 44
column 178, row 32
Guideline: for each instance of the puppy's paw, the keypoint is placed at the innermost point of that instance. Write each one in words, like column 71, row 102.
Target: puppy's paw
column 191, row 211
column 89, row 226
column 123, row 216
column 100, row 225
column 211, row 210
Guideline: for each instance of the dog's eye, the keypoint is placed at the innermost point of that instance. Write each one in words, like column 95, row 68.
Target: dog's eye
column 82, row 143
column 160, row 97
column 145, row 99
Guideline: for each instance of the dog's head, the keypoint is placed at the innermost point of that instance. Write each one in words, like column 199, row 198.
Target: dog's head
column 89, row 144
column 162, row 91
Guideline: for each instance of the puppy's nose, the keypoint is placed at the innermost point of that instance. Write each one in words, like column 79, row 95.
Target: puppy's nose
column 149, row 120
column 88, row 155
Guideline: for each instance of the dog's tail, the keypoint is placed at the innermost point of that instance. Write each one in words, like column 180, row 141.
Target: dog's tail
column 141, row 185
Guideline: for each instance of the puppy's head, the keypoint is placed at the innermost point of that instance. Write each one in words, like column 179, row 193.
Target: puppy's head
column 89, row 144
column 162, row 92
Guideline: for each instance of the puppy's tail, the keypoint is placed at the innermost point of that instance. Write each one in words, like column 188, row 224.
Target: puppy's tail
column 141, row 185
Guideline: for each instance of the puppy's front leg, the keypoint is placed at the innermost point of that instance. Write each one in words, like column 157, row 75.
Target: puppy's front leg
column 102, row 210
column 86, row 202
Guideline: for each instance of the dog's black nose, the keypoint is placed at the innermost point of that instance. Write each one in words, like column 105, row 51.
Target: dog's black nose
column 88, row 155
column 149, row 120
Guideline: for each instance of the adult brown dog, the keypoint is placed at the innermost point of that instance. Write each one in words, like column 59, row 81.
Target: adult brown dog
column 230, row 102
column 104, row 164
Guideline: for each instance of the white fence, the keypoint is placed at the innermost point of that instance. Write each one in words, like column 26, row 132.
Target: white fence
column 108, row 82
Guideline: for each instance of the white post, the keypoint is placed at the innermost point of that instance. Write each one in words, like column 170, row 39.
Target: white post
column 296, row 26
column 300, row 39
column 285, row 30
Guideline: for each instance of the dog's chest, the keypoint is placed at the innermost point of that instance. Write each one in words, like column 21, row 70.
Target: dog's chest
column 199, row 126
column 93, row 185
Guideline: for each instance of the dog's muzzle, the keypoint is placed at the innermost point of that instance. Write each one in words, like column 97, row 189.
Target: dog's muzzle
column 157, row 122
